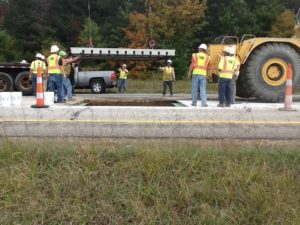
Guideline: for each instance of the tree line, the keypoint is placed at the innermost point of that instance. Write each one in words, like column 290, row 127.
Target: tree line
column 30, row 26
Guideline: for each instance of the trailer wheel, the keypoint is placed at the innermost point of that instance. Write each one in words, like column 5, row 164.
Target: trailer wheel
column 23, row 83
column 6, row 82
column 97, row 86
column 266, row 71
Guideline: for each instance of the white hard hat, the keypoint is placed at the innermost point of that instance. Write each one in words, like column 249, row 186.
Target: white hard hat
column 124, row 65
column 233, row 50
column 23, row 61
column 42, row 57
column 203, row 46
column 169, row 61
column 54, row 48
column 38, row 55
column 228, row 50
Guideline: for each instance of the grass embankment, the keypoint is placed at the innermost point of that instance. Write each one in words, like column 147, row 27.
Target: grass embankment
column 149, row 182
column 155, row 86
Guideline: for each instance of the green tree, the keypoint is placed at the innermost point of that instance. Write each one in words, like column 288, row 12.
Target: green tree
column 284, row 26
column 8, row 52
column 90, row 25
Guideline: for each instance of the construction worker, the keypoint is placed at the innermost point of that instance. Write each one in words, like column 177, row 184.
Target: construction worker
column 67, row 85
column 168, row 77
column 198, row 68
column 45, row 75
column 234, row 78
column 34, row 68
column 123, row 79
column 56, row 73
column 226, row 68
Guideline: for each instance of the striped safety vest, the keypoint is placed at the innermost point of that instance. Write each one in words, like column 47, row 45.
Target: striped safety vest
column 168, row 73
column 200, row 63
column 53, row 65
column 227, row 66
column 37, row 63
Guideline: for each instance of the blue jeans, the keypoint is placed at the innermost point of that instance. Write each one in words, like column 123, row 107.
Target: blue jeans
column 33, row 79
column 199, row 81
column 55, row 82
column 67, row 89
column 225, row 91
column 122, row 85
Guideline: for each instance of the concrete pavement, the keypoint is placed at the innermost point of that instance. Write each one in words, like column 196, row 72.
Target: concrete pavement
column 245, row 120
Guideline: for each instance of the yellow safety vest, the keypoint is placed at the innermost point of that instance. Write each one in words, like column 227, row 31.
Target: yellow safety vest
column 53, row 65
column 168, row 73
column 200, row 63
column 67, row 67
column 123, row 74
column 227, row 66
column 37, row 63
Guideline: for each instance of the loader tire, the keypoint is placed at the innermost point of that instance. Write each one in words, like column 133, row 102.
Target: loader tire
column 266, row 70
column 241, row 90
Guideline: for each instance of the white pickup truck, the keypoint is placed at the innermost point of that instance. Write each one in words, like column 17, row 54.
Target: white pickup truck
column 15, row 77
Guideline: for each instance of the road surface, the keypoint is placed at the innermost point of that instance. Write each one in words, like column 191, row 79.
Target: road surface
column 245, row 121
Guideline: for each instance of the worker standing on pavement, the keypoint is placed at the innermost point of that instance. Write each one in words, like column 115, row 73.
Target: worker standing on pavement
column 123, row 74
column 45, row 75
column 56, row 73
column 235, row 77
column 199, row 68
column 226, row 68
column 168, row 77
column 34, row 68
column 67, row 85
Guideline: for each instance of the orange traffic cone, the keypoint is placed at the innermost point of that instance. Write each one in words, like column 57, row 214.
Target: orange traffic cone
column 288, row 103
column 40, row 101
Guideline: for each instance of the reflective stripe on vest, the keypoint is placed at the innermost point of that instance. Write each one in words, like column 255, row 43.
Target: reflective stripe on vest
column 168, row 73
column 200, row 63
column 123, row 74
column 228, row 67
column 53, row 65
column 36, row 64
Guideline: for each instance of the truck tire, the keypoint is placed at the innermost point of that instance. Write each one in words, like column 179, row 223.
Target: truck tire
column 6, row 82
column 97, row 86
column 266, row 71
column 23, row 84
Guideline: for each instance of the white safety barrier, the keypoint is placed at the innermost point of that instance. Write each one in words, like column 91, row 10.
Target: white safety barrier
column 10, row 99
column 49, row 98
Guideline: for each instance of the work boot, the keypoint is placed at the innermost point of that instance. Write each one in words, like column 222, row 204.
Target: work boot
column 221, row 105
column 204, row 105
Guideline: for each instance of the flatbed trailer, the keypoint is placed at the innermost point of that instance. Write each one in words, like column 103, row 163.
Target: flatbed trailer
column 15, row 76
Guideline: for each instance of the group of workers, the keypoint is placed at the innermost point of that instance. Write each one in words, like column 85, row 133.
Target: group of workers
column 58, row 66
column 56, row 70
column 228, row 71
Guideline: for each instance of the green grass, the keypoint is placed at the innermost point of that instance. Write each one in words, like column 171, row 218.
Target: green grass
column 155, row 86
column 149, row 182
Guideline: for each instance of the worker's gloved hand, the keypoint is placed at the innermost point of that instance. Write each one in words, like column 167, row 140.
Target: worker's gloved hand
column 237, row 74
column 30, row 77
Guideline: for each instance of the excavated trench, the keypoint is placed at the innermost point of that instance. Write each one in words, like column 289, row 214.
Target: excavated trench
column 133, row 102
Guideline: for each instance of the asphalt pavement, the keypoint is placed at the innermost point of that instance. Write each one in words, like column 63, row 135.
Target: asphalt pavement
column 246, row 120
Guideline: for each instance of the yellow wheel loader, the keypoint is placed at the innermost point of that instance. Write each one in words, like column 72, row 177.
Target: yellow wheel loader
column 264, row 63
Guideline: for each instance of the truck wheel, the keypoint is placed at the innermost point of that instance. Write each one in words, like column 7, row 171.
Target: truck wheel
column 266, row 71
column 6, row 82
column 23, row 83
column 97, row 86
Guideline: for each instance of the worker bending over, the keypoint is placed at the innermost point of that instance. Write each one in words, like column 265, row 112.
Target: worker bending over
column 168, row 77
column 198, row 68
column 226, row 68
